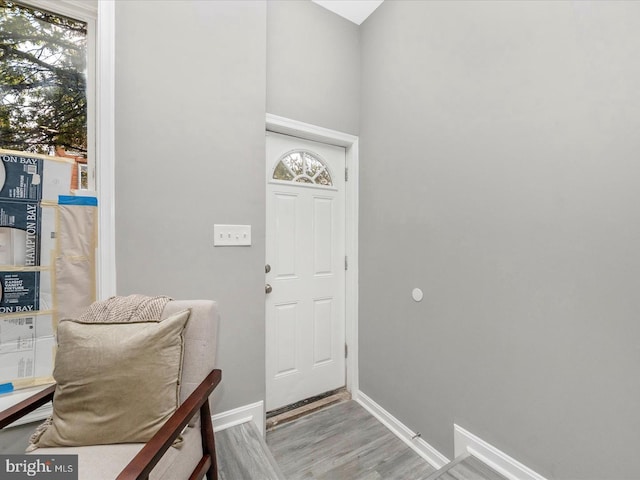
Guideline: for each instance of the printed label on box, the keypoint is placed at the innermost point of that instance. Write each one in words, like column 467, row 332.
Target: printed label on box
column 26, row 347
column 19, row 292
column 20, row 224
column 20, row 177
column 29, row 177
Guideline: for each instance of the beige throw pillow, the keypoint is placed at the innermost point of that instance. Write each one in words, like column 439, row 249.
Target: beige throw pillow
column 116, row 382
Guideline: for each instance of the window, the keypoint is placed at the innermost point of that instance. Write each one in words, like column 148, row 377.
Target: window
column 302, row 167
column 44, row 106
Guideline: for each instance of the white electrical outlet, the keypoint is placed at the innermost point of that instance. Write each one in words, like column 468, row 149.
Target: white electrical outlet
column 231, row 235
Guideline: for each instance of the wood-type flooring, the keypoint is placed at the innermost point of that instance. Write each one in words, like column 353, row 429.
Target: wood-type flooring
column 243, row 455
column 343, row 442
column 340, row 442
column 241, row 451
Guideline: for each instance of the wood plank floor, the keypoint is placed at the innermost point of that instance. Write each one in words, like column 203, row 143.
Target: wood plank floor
column 343, row 442
column 340, row 442
column 241, row 451
column 14, row 440
column 243, row 455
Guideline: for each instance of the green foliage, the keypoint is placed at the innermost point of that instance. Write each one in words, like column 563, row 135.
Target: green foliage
column 43, row 82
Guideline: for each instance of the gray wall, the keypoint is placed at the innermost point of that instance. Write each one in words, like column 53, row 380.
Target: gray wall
column 499, row 173
column 313, row 65
column 190, row 106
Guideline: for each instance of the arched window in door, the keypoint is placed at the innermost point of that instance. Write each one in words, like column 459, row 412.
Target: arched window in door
column 302, row 167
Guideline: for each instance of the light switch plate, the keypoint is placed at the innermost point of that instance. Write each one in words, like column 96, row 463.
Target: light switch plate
column 231, row 235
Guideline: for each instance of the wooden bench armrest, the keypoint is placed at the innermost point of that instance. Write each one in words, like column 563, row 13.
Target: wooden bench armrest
column 142, row 464
column 20, row 409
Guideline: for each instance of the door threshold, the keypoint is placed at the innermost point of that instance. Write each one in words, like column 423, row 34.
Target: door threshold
column 304, row 407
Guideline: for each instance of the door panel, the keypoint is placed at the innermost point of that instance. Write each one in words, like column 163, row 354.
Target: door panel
column 285, row 235
column 322, row 241
column 322, row 322
column 285, row 320
column 305, row 322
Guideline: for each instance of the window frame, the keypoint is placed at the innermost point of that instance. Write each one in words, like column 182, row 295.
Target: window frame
column 100, row 14
column 88, row 13
column 325, row 167
column 100, row 19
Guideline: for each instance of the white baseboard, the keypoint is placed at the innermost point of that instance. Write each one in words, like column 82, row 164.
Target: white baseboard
column 422, row 448
column 253, row 412
column 467, row 442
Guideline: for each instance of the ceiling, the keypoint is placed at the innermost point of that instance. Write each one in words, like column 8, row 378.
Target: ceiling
column 355, row 10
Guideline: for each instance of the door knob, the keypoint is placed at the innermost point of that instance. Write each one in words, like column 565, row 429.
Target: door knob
column 267, row 288
column 267, row 268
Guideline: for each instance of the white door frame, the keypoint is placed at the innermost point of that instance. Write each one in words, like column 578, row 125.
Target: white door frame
column 307, row 131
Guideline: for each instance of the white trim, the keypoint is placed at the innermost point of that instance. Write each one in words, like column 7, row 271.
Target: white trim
column 351, row 280
column 105, row 148
column 76, row 9
column 467, row 442
column 253, row 412
column 419, row 445
column 307, row 131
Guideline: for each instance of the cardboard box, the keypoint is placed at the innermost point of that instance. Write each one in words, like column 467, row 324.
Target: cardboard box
column 19, row 292
column 31, row 177
column 20, row 233
column 27, row 347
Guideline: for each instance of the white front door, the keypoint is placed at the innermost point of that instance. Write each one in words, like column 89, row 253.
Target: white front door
column 305, row 250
